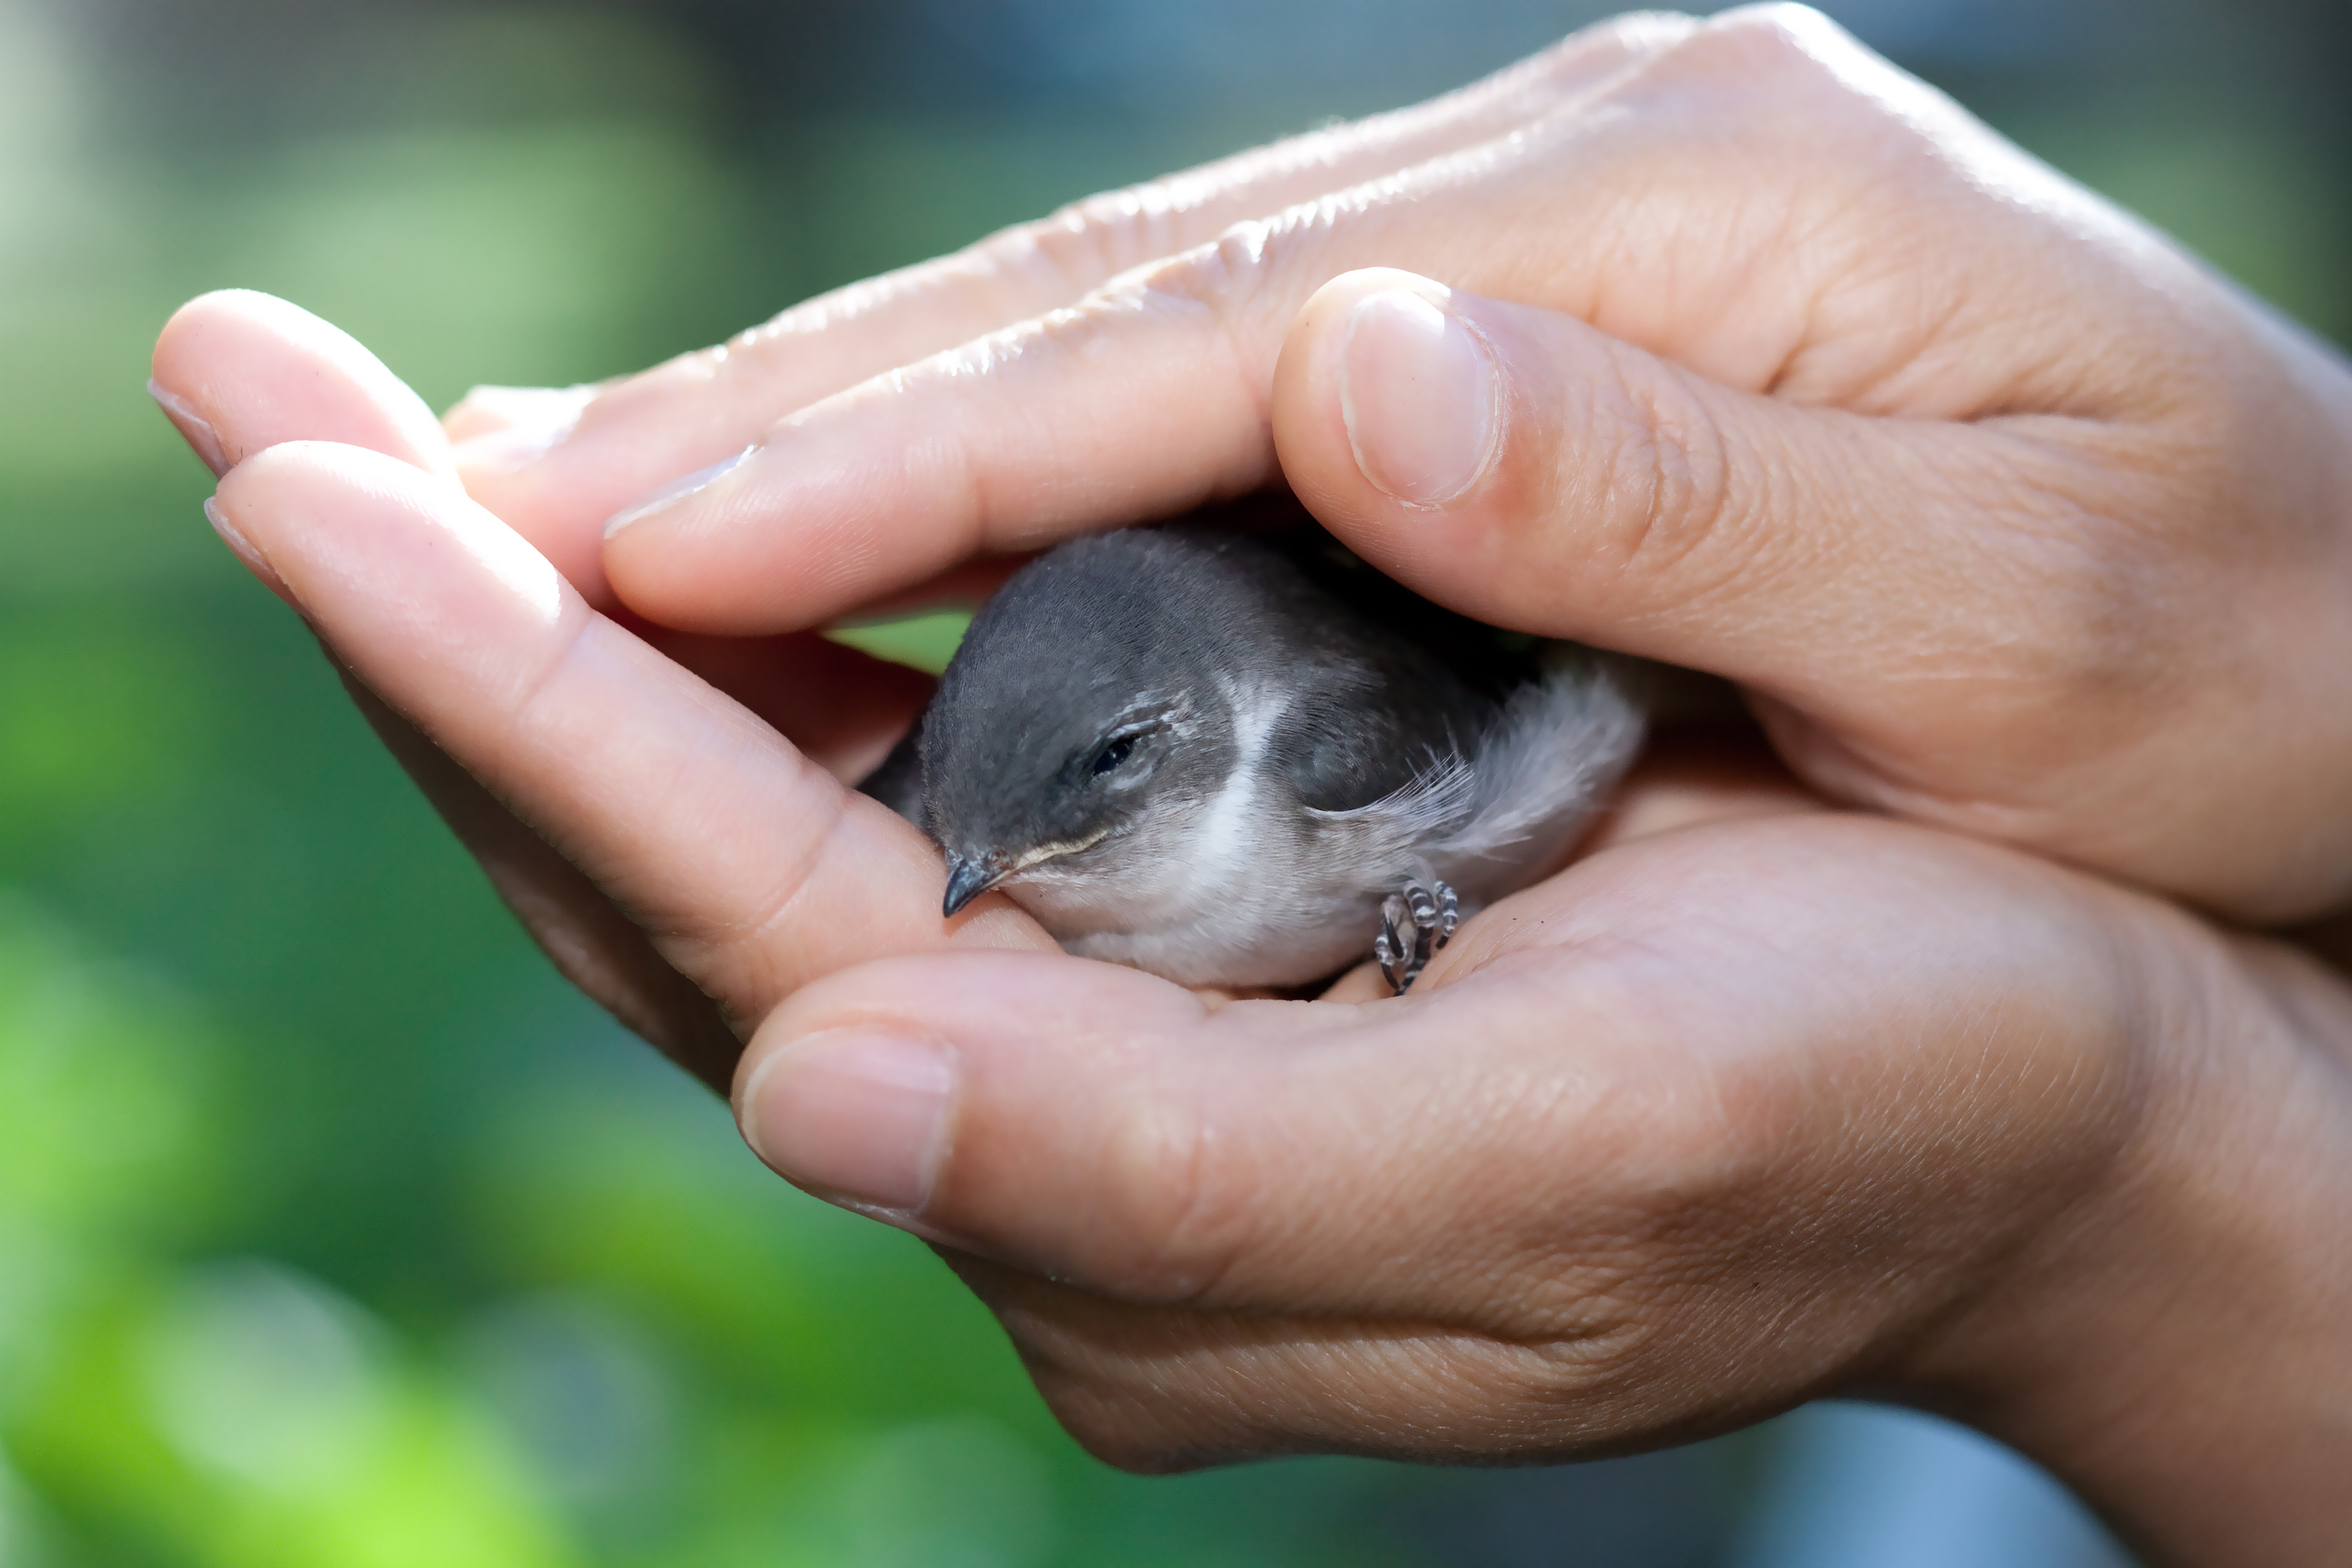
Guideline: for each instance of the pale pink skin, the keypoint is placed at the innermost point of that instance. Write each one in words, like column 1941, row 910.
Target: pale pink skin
column 2009, row 518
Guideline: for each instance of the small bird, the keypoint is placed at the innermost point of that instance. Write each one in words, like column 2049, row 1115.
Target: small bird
column 1246, row 760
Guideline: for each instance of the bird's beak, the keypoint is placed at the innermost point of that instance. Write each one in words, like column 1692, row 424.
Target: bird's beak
column 967, row 879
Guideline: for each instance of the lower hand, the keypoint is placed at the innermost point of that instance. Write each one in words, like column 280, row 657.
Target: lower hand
column 1729, row 1115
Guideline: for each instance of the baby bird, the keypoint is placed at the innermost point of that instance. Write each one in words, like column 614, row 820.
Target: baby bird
column 1243, row 760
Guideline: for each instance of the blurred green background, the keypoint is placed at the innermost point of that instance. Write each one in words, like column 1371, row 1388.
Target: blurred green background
column 333, row 1228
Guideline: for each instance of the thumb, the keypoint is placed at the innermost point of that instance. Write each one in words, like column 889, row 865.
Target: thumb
column 1525, row 469
column 1097, row 1125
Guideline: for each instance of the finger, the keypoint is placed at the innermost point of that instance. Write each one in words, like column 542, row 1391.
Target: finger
column 243, row 372
column 1932, row 616
column 556, row 465
column 753, row 869
column 239, row 371
column 497, row 429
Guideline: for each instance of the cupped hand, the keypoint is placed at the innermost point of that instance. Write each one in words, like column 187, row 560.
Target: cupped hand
column 1725, row 1117
column 1726, row 343
column 1732, row 1113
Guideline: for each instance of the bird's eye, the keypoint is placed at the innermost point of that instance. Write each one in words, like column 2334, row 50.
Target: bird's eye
column 1110, row 756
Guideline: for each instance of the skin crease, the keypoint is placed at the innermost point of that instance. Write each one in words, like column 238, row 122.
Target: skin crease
column 1756, row 1102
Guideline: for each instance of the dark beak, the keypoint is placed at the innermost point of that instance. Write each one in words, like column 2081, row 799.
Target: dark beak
column 967, row 879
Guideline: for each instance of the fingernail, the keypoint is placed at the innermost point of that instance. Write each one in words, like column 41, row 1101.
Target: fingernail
column 675, row 491
column 254, row 561
column 193, row 426
column 859, row 1116
column 1418, row 392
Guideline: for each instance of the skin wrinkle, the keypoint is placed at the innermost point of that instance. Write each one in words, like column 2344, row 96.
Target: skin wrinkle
column 2138, row 1012
column 1236, row 1348
column 1199, row 1228
column 1437, row 1394
column 1924, row 326
column 1685, row 496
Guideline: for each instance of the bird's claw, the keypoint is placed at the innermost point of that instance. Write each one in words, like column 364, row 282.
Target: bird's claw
column 1429, row 911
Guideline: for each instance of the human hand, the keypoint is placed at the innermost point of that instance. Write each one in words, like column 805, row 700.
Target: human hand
column 1724, row 1118
column 2008, row 516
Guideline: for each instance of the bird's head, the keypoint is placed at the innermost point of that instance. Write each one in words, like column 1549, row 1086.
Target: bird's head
column 1081, row 716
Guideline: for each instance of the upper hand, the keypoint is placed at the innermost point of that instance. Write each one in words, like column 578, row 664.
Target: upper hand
column 1762, row 358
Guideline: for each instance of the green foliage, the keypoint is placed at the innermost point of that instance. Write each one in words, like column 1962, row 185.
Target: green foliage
column 927, row 642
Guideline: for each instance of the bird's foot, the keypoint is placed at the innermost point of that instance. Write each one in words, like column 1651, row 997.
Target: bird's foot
column 1415, row 921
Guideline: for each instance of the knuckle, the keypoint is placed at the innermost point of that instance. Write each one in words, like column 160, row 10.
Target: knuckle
column 1783, row 71
column 1251, row 278
column 1665, row 495
column 1772, row 44
column 1219, row 278
column 1235, row 289
column 1073, row 251
column 1635, row 35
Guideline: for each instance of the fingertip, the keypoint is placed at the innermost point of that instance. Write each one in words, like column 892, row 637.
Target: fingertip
column 861, row 1116
column 255, row 371
column 1095, row 1123
column 1014, row 1020
column 247, row 552
column 951, row 1093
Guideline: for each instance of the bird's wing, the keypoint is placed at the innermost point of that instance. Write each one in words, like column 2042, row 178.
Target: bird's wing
column 1373, row 713
column 1543, row 769
column 1431, row 804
